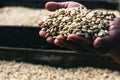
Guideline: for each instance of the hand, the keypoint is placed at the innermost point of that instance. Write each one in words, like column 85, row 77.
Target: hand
column 112, row 42
column 52, row 6
column 74, row 42
column 60, row 40
column 106, row 44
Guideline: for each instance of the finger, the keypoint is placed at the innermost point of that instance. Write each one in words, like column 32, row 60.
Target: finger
column 107, row 41
column 52, row 6
column 80, row 41
column 40, row 23
column 42, row 33
column 57, row 42
column 99, row 44
column 69, row 4
column 74, row 47
column 50, row 39
column 70, row 45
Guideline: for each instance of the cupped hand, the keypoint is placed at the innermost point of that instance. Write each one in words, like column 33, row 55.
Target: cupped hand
column 107, row 44
column 72, row 40
column 52, row 6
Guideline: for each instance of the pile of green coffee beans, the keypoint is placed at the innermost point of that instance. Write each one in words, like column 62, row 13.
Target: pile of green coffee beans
column 77, row 20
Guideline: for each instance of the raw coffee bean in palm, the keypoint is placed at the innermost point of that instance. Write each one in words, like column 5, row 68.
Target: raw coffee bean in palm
column 77, row 20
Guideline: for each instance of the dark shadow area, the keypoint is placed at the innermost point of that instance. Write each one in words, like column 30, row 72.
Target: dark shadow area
column 58, row 58
column 25, row 37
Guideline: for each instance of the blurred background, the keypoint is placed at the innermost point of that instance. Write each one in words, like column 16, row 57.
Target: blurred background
column 19, row 39
column 34, row 10
column 109, row 4
column 24, row 55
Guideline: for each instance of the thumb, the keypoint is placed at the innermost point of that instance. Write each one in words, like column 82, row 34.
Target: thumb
column 52, row 6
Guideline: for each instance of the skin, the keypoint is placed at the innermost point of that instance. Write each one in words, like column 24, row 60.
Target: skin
column 101, row 45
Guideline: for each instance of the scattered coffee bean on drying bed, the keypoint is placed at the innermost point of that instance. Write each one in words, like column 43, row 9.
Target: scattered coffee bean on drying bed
column 78, row 20
column 11, row 70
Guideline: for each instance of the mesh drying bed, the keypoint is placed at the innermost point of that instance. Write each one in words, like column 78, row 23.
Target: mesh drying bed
column 25, row 71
